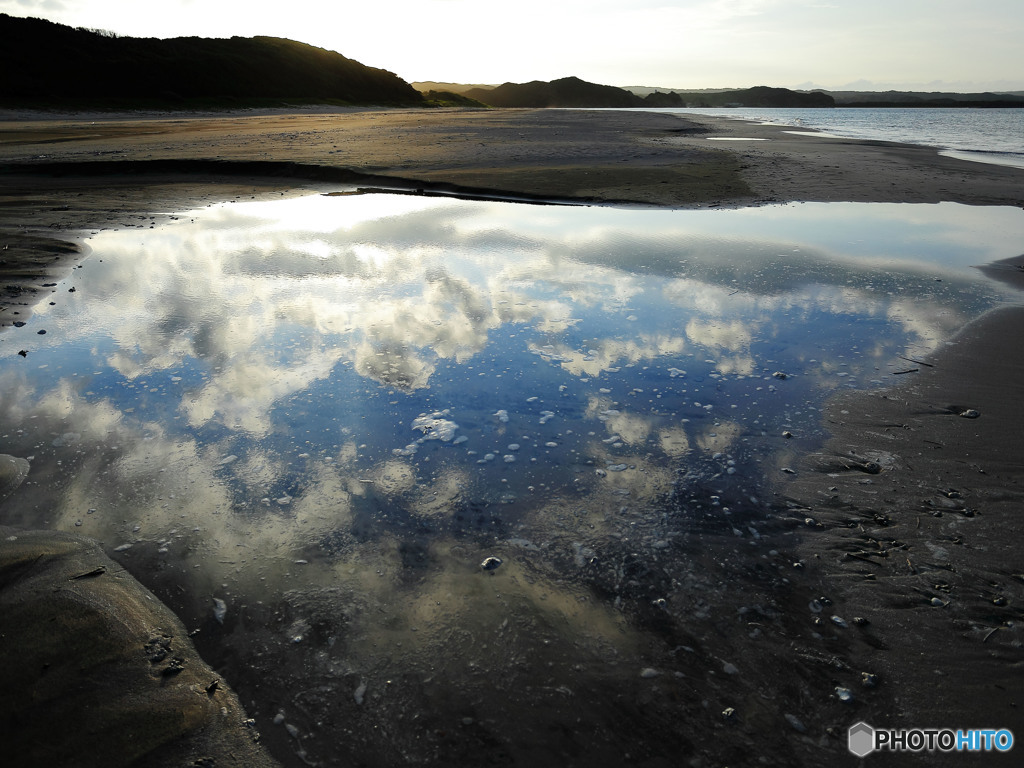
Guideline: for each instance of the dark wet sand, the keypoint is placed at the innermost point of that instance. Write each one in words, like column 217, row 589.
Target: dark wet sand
column 938, row 522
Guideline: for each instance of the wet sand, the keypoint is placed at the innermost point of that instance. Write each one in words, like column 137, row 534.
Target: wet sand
column 926, row 544
column 927, row 550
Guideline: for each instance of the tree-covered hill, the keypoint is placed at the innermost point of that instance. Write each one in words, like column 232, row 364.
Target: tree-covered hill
column 48, row 64
column 566, row 92
column 573, row 92
column 759, row 96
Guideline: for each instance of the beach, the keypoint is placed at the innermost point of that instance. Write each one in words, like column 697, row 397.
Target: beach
column 908, row 515
column 75, row 173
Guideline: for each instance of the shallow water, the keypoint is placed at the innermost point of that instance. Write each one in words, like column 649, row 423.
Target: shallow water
column 981, row 135
column 306, row 423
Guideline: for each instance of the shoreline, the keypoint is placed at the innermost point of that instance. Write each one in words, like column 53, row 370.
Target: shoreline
column 66, row 175
column 968, row 645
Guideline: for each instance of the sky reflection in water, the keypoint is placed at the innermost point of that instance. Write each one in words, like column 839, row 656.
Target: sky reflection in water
column 277, row 396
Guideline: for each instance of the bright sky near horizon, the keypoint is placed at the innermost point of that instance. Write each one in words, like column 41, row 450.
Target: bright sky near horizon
column 837, row 44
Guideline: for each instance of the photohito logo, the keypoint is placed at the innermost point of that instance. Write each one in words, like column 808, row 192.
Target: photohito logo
column 862, row 740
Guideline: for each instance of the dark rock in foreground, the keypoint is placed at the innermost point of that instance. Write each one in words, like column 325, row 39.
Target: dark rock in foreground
column 98, row 672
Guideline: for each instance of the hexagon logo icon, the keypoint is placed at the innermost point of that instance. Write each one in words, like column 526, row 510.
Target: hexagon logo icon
column 861, row 739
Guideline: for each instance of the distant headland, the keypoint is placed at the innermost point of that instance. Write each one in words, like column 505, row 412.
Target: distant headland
column 46, row 65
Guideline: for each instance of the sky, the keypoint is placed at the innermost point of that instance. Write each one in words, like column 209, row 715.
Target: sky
column 836, row 44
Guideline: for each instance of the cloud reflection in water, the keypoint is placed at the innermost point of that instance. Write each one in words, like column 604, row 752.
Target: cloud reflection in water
column 234, row 395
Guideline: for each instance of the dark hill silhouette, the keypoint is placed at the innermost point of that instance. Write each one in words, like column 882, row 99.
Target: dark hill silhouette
column 566, row 92
column 573, row 92
column 659, row 99
column 921, row 99
column 759, row 96
column 49, row 64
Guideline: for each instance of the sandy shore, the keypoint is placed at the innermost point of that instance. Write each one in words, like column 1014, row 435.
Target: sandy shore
column 74, row 173
column 927, row 549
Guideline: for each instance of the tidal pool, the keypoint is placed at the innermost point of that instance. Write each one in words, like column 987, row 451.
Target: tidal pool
column 306, row 423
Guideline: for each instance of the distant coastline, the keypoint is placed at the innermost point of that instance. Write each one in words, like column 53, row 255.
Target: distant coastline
column 49, row 66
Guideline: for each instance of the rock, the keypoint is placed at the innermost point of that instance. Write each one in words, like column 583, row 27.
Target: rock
column 13, row 471
column 99, row 672
column 491, row 563
column 795, row 723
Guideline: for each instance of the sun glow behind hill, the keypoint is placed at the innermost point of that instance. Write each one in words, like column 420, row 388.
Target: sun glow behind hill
column 682, row 43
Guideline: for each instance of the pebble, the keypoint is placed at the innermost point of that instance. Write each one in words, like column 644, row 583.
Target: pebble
column 491, row 563
column 844, row 694
column 795, row 723
column 970, row 413
column 649, row 672
column 360, row 693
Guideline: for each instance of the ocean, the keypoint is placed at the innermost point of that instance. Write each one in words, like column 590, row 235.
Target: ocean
column 983, row 135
